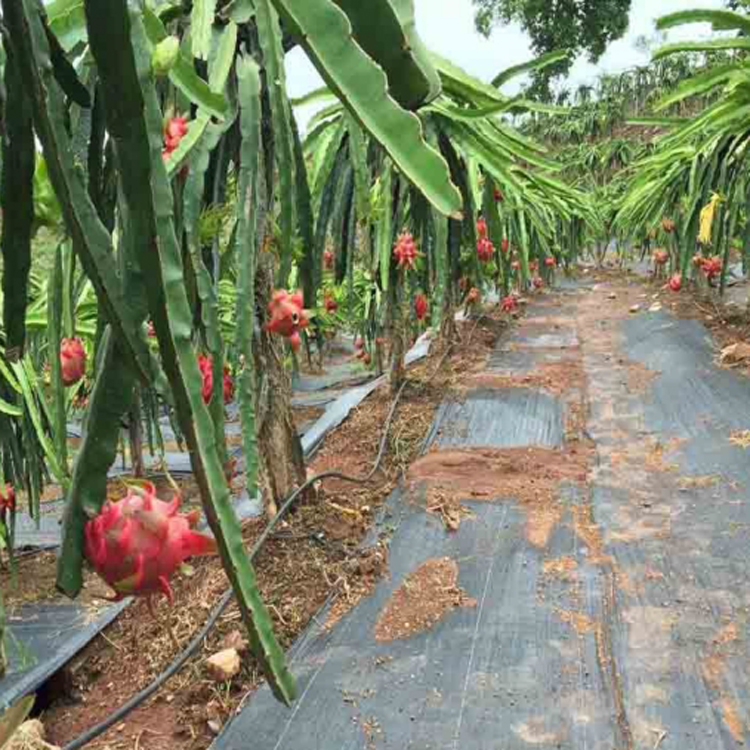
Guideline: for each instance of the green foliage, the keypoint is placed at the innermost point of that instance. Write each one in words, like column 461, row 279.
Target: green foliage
column 577, row 27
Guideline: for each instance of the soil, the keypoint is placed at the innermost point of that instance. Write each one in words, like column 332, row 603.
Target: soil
column 314, row 558
column 422, row 600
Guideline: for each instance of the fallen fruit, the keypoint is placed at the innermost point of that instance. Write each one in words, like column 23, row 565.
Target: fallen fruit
column 509, row 304
column 675, row 283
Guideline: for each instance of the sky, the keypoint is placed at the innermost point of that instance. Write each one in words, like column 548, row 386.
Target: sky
column 451, row 32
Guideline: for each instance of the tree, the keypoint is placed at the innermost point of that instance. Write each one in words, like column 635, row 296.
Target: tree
column 587, row 26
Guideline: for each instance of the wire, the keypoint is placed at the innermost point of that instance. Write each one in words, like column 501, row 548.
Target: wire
column 142, row 695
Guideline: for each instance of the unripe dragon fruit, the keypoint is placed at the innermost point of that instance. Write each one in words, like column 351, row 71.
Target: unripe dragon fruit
column 420, row 306
column 72, row 361
column 136, row 544
column 405, row 251
column 288, row 316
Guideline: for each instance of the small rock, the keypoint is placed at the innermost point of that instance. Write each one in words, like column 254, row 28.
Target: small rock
column 655, row 307
column 635, row 309
column 214, row 726
column 611, row 295
column 224, row 665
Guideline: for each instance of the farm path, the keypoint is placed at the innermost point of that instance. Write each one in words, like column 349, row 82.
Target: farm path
column 568, row 559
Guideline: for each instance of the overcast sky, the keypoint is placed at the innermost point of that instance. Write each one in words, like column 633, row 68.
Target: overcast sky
column 452, row 34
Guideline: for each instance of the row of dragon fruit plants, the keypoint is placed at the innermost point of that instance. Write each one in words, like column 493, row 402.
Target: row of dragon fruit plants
column 206, row 250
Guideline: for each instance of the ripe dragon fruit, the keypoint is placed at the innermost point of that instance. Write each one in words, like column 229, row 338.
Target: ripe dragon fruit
column 516, row 265
column 72, row 361
column 405, row 251
column 505, row 245
column 538, row 282
column 174, row 131
column 205, row 365
column 288, row 316
column 327, row 260
column 420, row 306
column 712, row 266
column 485, row 250
column 550, row 261
column 661, row 257
column 675, row 283
column 330, row 304
column 509, row 304
column 534, row 266
column 482, row 228
column 136, row 544
column 7, row 499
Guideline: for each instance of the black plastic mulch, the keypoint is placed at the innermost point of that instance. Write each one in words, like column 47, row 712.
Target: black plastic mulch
column 639, row 641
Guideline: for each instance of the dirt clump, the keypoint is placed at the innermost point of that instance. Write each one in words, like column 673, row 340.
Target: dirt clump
column 422, row 600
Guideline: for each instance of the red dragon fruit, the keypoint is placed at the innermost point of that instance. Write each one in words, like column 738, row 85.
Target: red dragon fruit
column 174, row 131
column 485, row 250
column 498, row 195
column 327, row 260
column 550, row 261
column 534, row 266
column 151, row 330
column 675, row 283
column 712, row 266
column 516, row 265
column 482, row 227
column 509, row 304
column 661, row 257
column 72, row 361
column 420, row 306
column 205, row 365
column 288, row 316
column 330, row 304
column 505, row 245
column 405, row 251
column 136, row 544
column 7, row 499
column 538, row 282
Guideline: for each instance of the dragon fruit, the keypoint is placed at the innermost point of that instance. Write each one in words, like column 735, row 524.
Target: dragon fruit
column 420, row 306
column 405, row 251
column 205, row 365
column 661, row 257
column 485, row 250
column 550, row 261
column 288, row 316
column 538, row 282
column 174, row 131
column 330, row 304
column 675, row 283
column 505, row 245
column 498, row 195
column 668, row 225
column 72, row 361
column 509, row 304
column 473, row 296
column 136, row 544
column 481, row 227
column 712, row 266
column 7, row 499
column 327, row 260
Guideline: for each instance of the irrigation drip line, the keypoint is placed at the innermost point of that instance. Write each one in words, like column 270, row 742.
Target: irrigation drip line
column 197, row 640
